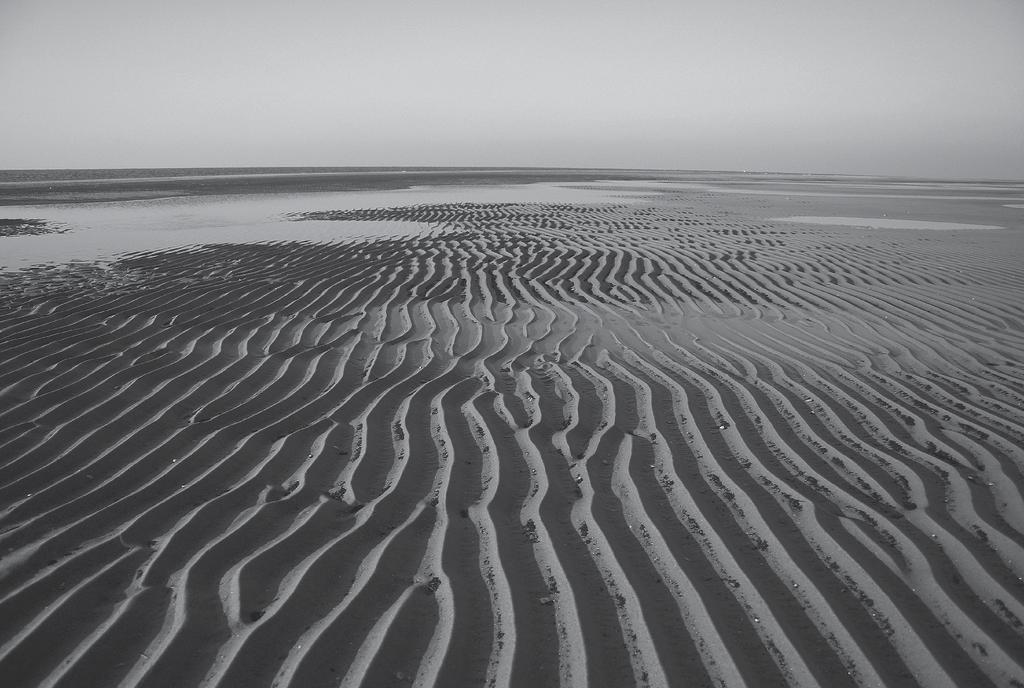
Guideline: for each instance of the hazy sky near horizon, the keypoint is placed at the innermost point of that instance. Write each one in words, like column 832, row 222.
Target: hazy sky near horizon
column 906, row 87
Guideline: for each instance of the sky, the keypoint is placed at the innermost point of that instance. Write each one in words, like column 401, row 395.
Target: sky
column 902, row 87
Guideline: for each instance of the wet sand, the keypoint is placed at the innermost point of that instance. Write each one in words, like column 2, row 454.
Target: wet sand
column 657, row 439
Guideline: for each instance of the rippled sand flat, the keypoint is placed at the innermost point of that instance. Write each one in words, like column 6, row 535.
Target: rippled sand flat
column 651, row 438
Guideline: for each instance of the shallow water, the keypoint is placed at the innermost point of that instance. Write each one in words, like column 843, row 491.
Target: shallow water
column 751, row 185
column 105, row 230
column 883, row 223
column 102, row 231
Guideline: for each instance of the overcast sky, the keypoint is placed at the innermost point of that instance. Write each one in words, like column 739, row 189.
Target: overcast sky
column 916, row 87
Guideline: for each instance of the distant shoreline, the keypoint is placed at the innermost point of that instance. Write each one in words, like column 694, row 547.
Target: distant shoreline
column 44, row 187
column 91, row 186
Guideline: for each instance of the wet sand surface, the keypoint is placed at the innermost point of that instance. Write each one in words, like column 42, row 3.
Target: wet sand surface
column 637, row 431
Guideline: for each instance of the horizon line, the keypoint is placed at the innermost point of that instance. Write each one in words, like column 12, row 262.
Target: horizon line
column 426, row 168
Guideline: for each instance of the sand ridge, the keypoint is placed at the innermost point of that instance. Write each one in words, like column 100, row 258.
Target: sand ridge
column 636, row 443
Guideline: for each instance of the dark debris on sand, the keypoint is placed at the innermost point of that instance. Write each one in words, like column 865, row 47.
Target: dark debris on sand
column 26, row 227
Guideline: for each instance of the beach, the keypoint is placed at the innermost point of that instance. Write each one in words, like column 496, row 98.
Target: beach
column 511, row 429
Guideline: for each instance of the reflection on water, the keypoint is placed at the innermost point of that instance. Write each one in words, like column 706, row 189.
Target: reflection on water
column 101, row 231
column 882, row 223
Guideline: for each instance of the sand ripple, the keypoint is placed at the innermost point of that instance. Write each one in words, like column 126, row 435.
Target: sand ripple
column 586, row 445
